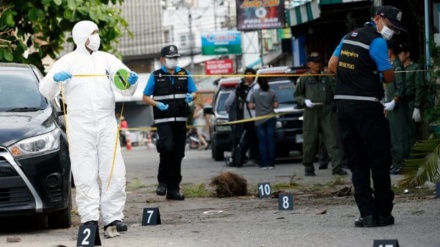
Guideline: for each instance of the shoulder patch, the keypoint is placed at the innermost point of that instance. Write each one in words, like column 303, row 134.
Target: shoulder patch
column 354, row 34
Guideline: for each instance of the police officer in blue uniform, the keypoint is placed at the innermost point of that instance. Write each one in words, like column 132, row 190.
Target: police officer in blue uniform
column 169, row 90
column 359, row 61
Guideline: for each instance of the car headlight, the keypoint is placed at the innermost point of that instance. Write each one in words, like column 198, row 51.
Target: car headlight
column 279, row 124
column 36, row 145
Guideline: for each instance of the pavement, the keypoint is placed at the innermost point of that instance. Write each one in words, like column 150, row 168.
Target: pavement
column 317, row 219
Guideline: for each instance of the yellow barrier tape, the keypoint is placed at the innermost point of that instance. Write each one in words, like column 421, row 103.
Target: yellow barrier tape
column 259, row 117
column 92, row 75
column 227, row 123
column 242, row 75
column 116, row 146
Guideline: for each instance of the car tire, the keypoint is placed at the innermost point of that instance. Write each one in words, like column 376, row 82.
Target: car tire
column 217, row 152
column 62, row 218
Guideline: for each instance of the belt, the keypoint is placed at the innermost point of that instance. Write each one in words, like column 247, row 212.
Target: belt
column 170, row 96
column 352, row 97
column 170, row 119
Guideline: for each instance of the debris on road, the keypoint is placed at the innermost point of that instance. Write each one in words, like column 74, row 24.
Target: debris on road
column 13, row 239
column 229, row 184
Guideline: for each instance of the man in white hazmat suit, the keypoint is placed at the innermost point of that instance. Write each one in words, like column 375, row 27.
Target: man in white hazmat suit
column 91, row 125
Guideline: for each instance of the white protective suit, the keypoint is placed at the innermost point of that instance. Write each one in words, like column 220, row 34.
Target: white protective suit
column 91, row 126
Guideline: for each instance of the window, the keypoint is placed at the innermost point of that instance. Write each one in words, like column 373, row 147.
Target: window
column 221, row 102
column 166, row 35
column 19, row 89
column 284, row 91
column 183, row 40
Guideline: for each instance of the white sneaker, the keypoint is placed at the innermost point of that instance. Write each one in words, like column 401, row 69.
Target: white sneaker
column 263, row 167
column 271, row 167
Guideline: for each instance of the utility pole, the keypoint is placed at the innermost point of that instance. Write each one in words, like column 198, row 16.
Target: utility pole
column 260, row 34
column 191, row 40
column 215, row 15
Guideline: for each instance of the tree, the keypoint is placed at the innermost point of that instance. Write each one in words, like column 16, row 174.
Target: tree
column 423, row 164
column 32, row 30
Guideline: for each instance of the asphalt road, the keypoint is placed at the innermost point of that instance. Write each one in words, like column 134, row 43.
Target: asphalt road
column 241, row 221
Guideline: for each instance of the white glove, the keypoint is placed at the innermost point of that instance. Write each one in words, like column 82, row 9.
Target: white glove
column 308, row 103
column 416, row 115
column 390, row 105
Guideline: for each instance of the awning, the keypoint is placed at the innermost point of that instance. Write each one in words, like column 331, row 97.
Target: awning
column 310, row 10
column 327, row 2
column 303, row 13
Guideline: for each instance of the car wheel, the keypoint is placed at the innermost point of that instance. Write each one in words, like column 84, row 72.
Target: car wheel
column 62, row 218
column 217, row 152
column 213, row 147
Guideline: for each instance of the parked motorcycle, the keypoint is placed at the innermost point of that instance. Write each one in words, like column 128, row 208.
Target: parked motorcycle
column 193, row 139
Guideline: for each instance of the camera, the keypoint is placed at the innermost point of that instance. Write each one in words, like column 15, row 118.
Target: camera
column 242, row 91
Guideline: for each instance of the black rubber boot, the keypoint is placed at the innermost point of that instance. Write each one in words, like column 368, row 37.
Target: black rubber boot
column 161, row 189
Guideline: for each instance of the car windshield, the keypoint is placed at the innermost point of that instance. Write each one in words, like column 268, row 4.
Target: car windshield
column 221, row 102
column 284, row 91
column 19, row 91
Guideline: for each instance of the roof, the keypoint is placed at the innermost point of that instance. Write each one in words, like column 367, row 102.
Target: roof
column 16, row 66
column 283, row 70
column 229, row 79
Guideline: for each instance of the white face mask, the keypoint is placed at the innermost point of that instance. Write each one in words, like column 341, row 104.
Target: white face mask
column 94, row 42
column 171, row 63
column 386, row 32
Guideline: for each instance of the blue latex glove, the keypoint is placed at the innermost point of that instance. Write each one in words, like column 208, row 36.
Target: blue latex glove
column 61, row 76
column 161, row 106
column 132, row 79
column 188, row 98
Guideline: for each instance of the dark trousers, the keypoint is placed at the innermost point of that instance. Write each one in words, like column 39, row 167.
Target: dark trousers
column 171, row 147
column 250, row 141
column 238, row 158
column 323, row 157
column 366, row 135
column 266, row 142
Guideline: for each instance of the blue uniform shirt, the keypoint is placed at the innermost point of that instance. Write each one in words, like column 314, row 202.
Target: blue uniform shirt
column 149, row 89
column 378, row 52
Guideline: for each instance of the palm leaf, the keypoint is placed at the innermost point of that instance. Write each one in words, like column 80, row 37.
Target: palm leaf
column 423, row 165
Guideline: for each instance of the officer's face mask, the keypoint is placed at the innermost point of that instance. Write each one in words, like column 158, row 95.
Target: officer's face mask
column 386, row 32
column 171, row 63
column 94, row 42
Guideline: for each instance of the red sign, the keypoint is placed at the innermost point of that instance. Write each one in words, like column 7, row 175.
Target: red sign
column 219, row 67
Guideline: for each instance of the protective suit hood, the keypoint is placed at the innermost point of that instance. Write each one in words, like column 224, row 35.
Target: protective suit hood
column 81, row 32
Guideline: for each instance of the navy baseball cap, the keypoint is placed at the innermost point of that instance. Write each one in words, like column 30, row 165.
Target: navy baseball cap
column 404, row 47
column 393, row 14
column 169, row 51
column 314, row 57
